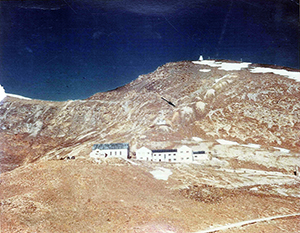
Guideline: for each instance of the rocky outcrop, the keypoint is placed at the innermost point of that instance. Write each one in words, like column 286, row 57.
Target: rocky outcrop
column 248, row 107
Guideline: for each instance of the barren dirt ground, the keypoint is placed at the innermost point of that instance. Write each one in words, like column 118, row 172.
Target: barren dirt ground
column 121, row 196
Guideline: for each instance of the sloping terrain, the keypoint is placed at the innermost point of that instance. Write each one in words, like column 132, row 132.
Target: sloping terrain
column 245, row 116
column 118, row 196
column 208, row 102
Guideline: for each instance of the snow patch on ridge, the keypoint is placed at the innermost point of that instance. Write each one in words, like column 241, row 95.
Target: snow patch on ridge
column 205, row 70
column 197, row 139
column 234, row 66
column 288, row 74
column 229, row 66
column 224, row 65
column 2, row 93
column 282, row 150
column 226, row 142
column 18, row 96
column 255, row 146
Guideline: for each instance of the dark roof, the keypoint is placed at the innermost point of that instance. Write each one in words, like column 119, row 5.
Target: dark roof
column 164, row 151
column 111, row 146
column 199, row 152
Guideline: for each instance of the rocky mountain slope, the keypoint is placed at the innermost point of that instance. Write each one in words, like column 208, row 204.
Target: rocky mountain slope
column 206, row 99
column 245, row 116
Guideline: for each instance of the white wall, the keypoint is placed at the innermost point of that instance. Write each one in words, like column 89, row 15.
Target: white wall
column 200, row 157
column 170, row 157
column 185, row 154
column 165, row 157
column 144, row 154
column 120, row 153
column 157, row 157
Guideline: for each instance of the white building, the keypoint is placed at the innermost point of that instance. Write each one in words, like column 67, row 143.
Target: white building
column 185, row 154
column 144, row 154
column 120, row 150
column 168, row 155
column 199, row 156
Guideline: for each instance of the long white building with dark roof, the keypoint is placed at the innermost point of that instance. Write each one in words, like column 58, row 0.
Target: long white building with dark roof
column 183, row 154
column 164, row 155
column 120, row 150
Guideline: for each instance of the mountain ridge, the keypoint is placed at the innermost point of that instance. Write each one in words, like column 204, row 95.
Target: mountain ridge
column 209, row 103
column 247, row 124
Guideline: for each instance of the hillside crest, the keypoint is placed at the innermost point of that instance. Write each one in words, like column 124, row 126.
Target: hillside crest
column 241, row 102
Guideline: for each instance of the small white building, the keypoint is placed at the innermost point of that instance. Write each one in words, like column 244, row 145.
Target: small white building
column 119, row 150
column 185, row 154
column 144, row 154
column 199, row 156
column 167, row 155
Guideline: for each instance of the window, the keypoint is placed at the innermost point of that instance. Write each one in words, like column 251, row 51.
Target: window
column 174, row 159
column 110, row 153
column 187, row 152
column 159, row 160
column 169, row 154
column 120, row 152
column 196, row 156
column 169, row 160
column 115, row 152
column 187, row 158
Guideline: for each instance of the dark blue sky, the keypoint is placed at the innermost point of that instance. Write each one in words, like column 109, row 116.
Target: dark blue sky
column 71, row 49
